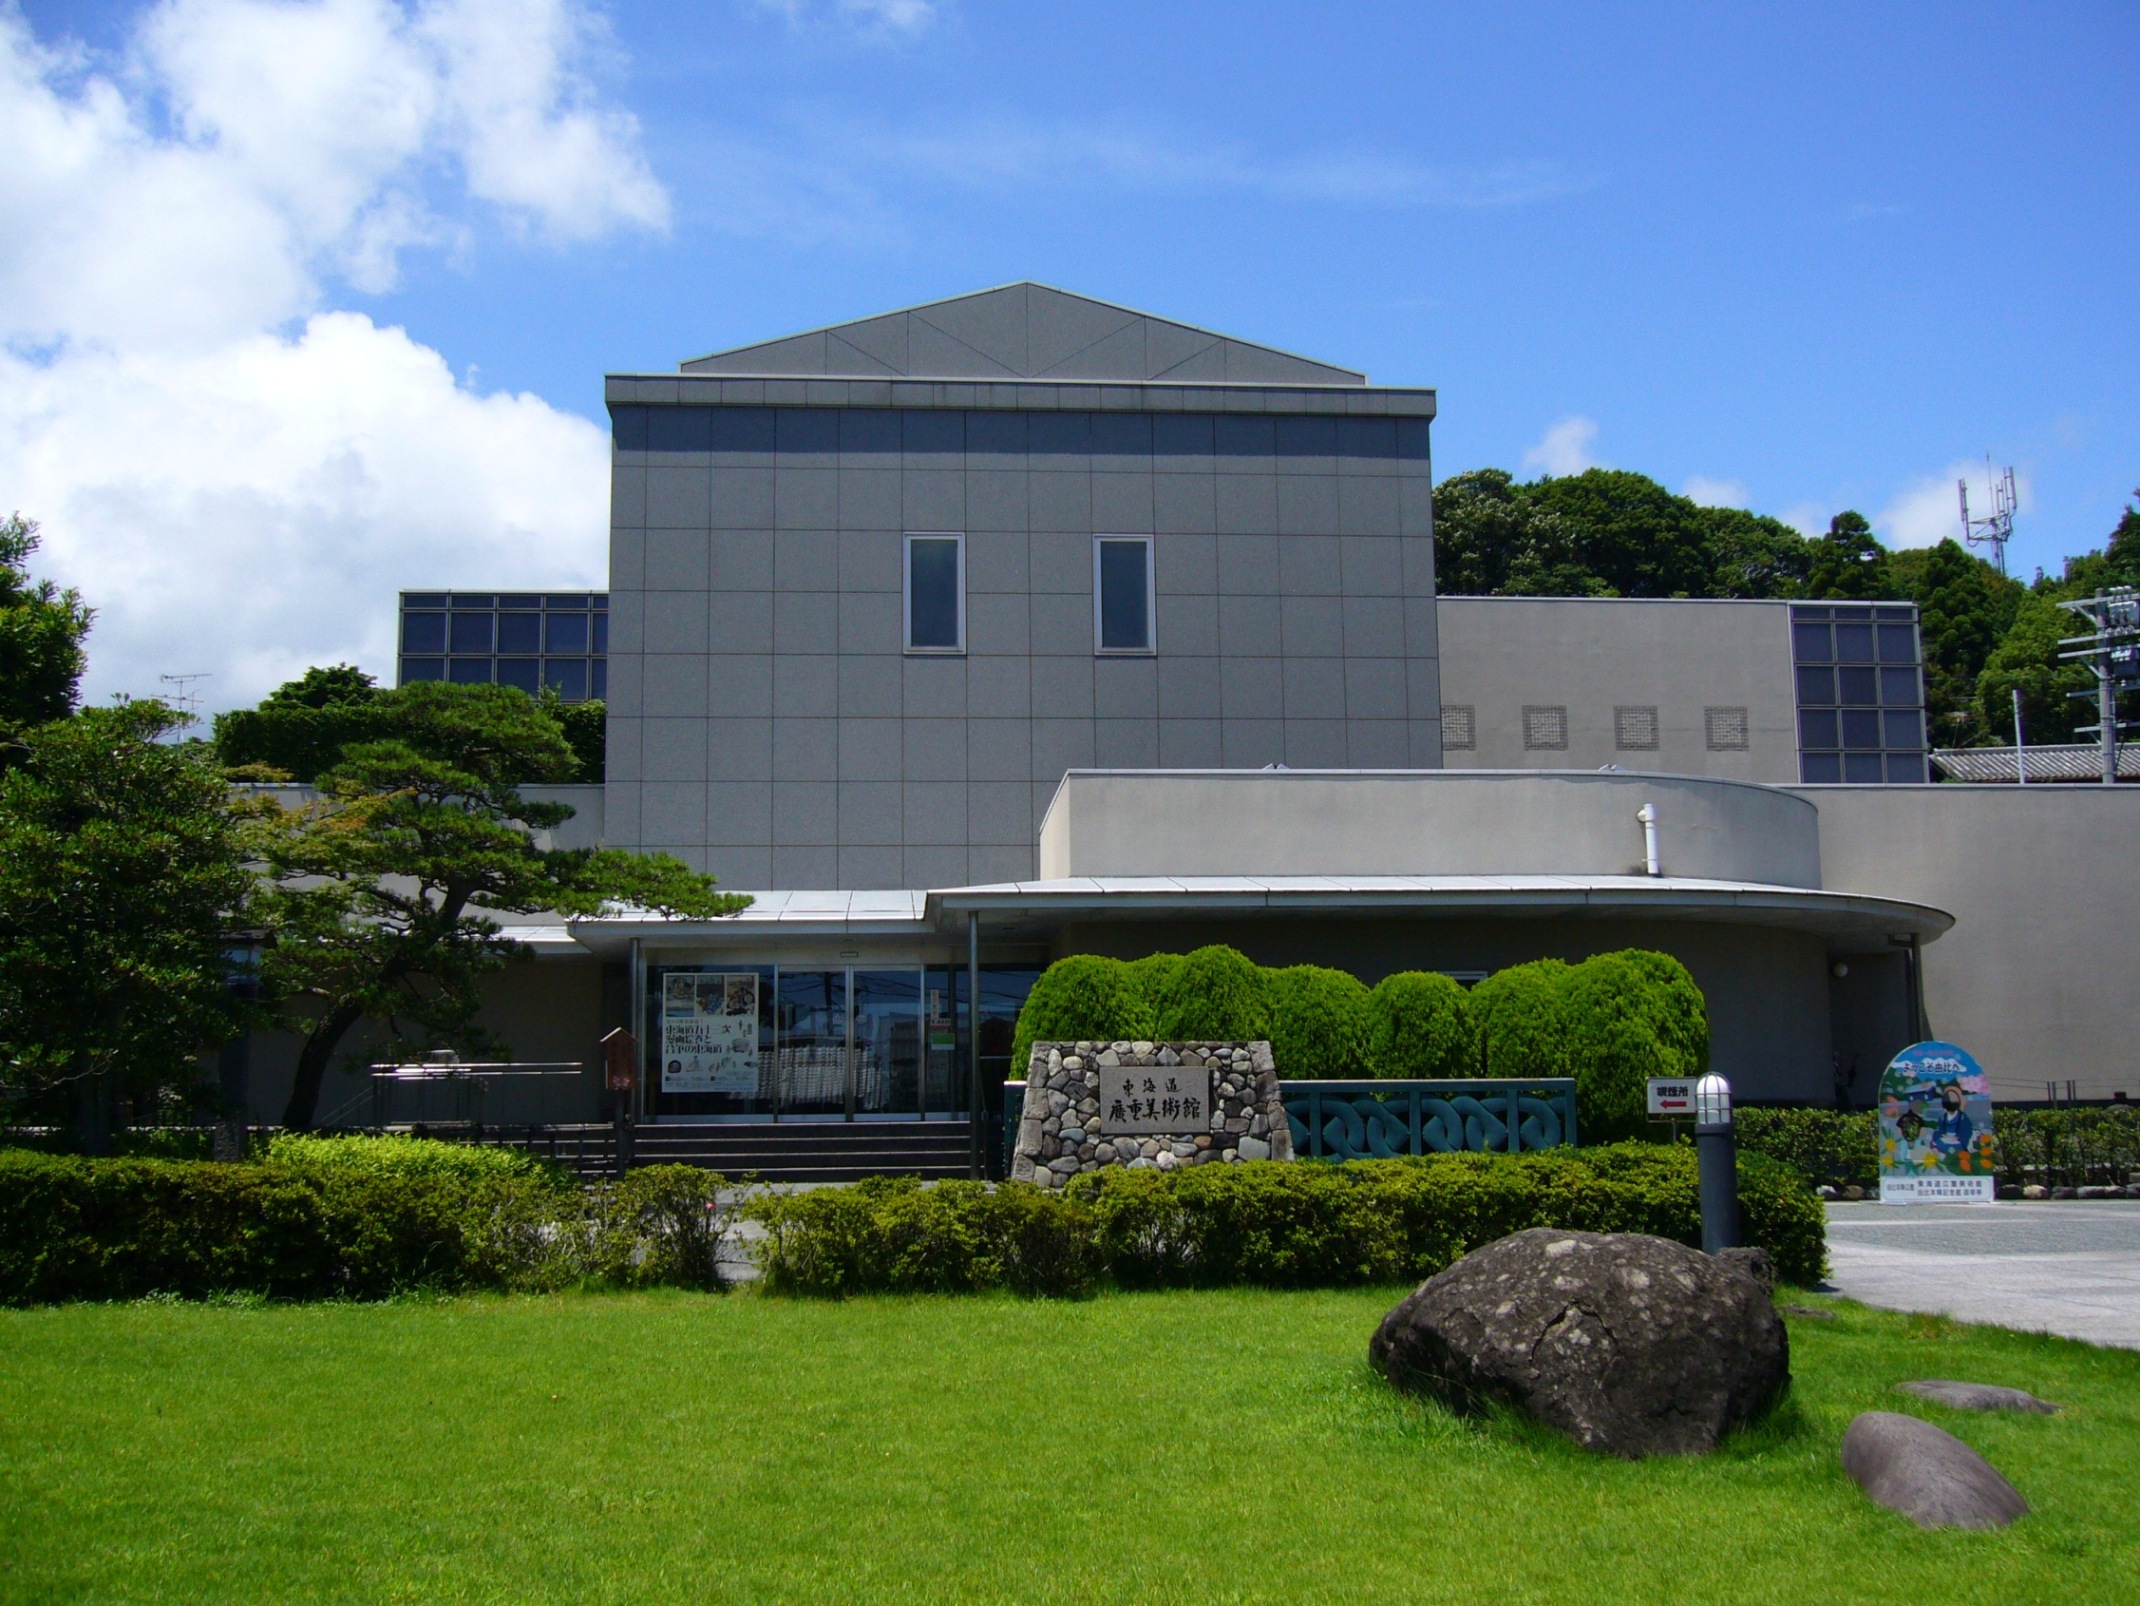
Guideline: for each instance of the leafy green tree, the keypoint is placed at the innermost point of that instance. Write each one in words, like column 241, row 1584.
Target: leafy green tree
column 2026, row 659
column 2115, row 564
column 302, row 728
column 1217, row 994
column 1964, row 607
column 1632, row 534
column 1848, row 564
column 41, row 631
column 381, row 897
column 121, row 871
column 1756, row 556
column 1079, row 998
column 1491, row 539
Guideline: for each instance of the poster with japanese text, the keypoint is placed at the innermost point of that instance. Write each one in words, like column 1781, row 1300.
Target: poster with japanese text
column 709, row 1032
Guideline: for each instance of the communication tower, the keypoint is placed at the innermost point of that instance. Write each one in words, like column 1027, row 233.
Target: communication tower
column 1997, row 530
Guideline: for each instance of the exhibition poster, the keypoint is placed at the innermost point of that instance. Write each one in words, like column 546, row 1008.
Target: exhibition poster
column 1936, row 1143
column 709, row 1032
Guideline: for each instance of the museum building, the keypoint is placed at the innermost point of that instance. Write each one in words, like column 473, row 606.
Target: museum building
column 1021, row 624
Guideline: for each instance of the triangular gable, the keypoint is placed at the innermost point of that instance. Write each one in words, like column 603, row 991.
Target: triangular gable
column 1023, row 331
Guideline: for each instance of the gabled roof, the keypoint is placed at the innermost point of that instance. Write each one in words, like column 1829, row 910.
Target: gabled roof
column 1023, row 331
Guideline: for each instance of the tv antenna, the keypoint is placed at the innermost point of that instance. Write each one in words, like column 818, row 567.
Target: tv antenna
column 183, row 699
column 1997, row 530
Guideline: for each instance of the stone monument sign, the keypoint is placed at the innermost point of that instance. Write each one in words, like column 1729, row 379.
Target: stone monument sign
column 1147, row 1106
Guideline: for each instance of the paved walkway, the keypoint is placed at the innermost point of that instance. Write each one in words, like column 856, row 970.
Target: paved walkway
column 2070, row 1267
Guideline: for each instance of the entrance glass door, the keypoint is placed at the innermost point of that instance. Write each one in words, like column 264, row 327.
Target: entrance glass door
column 811, row 1059
column 887, row 1042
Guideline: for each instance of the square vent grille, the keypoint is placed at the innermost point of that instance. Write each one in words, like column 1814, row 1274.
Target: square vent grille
column 1726, row 729
column 1545, row 729
column 1460, row 728
column 1634, row 729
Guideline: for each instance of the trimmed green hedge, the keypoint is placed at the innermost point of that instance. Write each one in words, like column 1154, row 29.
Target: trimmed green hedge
column 1611, row 1022
column 2057, row 1148
column 350, row 1218
column 1420, row 1025
column 1263, row 1223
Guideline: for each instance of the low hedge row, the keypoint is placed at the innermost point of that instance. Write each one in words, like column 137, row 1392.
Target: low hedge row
column 2059, row 1148
column 1273, row 1225
column 348, row 1218
column 1611, row 1022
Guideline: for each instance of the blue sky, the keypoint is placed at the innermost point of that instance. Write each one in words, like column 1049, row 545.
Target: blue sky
column 1795, row 258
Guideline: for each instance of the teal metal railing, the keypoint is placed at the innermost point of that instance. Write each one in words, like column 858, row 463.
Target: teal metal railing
column 1384, row 1120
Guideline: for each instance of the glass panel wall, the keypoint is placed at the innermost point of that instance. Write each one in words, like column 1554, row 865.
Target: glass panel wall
column 515, row 639
column 1860, row 693
column 841, row 1043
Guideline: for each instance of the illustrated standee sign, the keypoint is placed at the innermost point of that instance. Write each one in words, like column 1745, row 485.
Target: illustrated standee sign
column 709, row 1032
column 1936, row 1144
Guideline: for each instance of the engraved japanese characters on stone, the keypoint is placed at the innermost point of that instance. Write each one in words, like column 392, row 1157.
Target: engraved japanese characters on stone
column 1155, row 1098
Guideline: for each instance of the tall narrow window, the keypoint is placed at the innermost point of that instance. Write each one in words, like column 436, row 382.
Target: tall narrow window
column 1122, row 593
column 936, row 593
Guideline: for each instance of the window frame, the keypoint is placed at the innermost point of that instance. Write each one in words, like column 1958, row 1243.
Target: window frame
column 906, row 593
column 1150, row 649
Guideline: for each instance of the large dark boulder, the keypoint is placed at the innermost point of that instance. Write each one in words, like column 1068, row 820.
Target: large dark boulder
column 1927, row 1474
column 1628, row 1344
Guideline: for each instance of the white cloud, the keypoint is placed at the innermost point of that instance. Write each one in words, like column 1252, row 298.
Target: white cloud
column 233, row 493
column 1807, row 518
column 1715, row 493
column 1565, row 448
column 867, row 17
column 253, row 509
column 1929, row 510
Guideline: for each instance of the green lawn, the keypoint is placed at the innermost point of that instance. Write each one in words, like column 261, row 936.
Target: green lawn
column 1192, row 1446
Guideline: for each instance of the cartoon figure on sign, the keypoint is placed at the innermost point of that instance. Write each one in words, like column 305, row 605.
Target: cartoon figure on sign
column 1955, row 1131
column 1935, row 1125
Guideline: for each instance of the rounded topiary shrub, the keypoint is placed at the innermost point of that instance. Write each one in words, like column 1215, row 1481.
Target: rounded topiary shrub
column 1420, row 1025
column 1216, row 994
column 1150, row 976
column 1319, row 1022
column 1518, row 1013
column 1627, row 1017
column 1084, row 997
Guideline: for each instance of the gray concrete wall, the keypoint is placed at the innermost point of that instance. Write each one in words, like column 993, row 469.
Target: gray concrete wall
column 1766, row 990
column 1590, row 656
column 1448, row 822
column 2040, row 974
column 764, row 724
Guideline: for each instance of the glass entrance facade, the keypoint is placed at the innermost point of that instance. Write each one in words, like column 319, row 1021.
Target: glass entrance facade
column 740, row 1042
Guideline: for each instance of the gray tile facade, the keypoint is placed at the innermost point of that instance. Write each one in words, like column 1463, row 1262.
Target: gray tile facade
column 764, row 720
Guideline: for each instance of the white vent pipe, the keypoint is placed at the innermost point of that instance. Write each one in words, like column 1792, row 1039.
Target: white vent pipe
column 1647, row 814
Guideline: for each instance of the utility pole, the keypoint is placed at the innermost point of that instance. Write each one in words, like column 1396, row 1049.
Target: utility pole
column 2112, row 649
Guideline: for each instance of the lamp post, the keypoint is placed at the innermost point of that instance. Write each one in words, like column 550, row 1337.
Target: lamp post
column 1716, row 1149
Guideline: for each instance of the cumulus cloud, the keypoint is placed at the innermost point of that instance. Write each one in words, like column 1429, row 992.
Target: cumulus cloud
column 1929, row 510
column 1565, row 448
column 237, row 477
column 867, row 17
column 1715, row 493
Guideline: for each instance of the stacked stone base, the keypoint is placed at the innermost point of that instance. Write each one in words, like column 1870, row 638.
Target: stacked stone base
column 1059, row 1133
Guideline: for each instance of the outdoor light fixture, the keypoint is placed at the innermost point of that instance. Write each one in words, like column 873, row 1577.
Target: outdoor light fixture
column 1716, row 1150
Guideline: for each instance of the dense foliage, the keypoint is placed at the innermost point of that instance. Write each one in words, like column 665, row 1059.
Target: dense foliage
column 121, row 868
column 306, row 726
column 1609, row 533
column 2054, row 1148
column 1320, row 1022
column 41, row 631
column 1275, row 1225
column 379, row 897
column 1611, row 1022
column 349, row 1218
column 1420, row 1024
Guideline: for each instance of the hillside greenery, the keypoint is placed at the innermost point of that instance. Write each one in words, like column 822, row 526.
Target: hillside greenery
column 1611, row 533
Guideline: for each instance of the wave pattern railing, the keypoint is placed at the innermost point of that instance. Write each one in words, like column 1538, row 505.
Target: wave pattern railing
column 1387, row 1120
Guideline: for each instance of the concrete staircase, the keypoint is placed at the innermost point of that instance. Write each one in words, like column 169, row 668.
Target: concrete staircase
column 786, row 1151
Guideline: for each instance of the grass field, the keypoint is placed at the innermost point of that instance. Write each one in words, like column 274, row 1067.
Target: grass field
column 1190, row 1446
